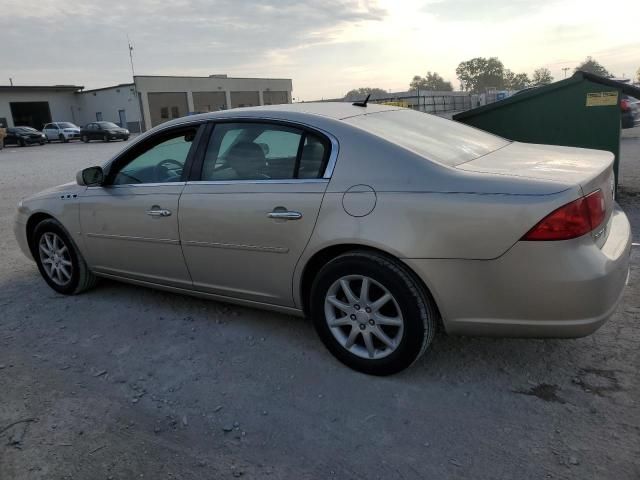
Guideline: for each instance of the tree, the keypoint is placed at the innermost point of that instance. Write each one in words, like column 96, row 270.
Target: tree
column 542, row 76
column 361, row 93
column 638, row 75
column 432, row 81
column 592, row 66
column 515, row 81
column 478, row 74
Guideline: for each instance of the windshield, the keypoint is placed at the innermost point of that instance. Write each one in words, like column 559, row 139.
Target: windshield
column 444, row 141
column 26, row 129
column 67, row 125
column 108, row 125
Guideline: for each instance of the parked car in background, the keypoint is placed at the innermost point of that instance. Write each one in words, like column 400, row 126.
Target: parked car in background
column 379, row 223
column 104, row 131
column 630, row 108
column 23, row 136
column 62, row 131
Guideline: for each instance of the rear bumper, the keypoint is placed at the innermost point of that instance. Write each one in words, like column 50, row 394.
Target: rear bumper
column 536, row 289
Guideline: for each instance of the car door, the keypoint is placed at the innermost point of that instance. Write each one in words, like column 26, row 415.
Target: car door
column 130, row 223
column 250, row 207
column 47, row 130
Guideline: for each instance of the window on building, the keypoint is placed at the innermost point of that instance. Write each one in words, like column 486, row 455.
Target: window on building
column 98, row 116
column 175, row 112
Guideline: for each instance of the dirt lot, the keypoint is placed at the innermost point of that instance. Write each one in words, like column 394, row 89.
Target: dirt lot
column 125, row 382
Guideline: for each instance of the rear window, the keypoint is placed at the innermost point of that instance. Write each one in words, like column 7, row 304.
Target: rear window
column 443, row 141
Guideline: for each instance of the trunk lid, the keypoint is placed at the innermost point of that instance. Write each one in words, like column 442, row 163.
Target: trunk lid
column 589, row 169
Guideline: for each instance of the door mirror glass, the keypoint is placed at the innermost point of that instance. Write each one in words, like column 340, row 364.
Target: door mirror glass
column 90, row 177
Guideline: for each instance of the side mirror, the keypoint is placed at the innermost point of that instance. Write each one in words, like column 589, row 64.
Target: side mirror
column 90, row 177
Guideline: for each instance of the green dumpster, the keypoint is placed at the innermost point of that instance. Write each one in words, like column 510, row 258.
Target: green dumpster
column 580, row 111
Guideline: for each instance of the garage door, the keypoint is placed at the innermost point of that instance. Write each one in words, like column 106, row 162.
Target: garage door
column 30, row 114
column 275, row 98
column 164, row 106
column 209, row 101
column 244, row 99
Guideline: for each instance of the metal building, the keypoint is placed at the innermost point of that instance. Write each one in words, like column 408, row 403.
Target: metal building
column 145, row 103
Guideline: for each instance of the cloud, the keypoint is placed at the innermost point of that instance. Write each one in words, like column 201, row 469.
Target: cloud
column 485, row 10
column 206, row 36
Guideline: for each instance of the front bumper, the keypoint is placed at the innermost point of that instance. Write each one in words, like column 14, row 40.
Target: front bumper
column 536, row 289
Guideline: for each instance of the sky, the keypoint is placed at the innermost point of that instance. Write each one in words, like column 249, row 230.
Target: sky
column 327, row 47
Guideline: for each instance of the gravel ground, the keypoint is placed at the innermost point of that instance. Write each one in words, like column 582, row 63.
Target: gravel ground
column 125, row 382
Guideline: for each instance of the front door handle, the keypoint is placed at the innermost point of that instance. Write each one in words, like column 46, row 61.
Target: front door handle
column 158, row 212
column 282, row 214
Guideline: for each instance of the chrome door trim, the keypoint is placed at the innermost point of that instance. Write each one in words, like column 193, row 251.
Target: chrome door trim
column 283, row 181
column 235, row 246
column 134, row 239
column 137, row 185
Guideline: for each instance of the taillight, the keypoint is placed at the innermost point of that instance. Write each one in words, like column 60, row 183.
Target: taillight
column 625, row 104
column 571, row 220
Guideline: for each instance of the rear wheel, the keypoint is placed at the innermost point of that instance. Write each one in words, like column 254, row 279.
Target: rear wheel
column 371, row 313
column 59, row 261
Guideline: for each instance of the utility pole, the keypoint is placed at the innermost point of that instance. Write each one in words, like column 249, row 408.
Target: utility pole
column 11, row 81
column 135, row 87
column 565, row 70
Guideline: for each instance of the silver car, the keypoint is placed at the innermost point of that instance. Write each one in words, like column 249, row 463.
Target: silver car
column 381, row 224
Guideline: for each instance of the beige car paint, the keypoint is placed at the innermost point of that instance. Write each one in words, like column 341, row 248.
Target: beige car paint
column 233, row 248
column 121, row 238
column 457, row 228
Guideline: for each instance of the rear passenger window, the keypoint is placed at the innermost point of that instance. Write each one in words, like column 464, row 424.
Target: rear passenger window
column 261, row 151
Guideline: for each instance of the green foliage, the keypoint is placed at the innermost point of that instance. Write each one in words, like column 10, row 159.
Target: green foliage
column 542, row 76
column 432, row 81
column 592, row 66
column 478, row 74
column 361, row 93
column 515, row 81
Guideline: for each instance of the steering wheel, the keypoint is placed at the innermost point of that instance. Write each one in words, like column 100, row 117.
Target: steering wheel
column 162, row 169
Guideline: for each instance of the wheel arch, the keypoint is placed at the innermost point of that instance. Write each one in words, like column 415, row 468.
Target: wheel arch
column 321, row 257
column 32, row 222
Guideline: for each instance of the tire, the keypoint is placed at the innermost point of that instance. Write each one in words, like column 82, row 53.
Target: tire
column 408, row 304
column 84, row 138
column 78, row 278
column 63, row 139
column 21, row 143
column 105, row 138
column 125, row 139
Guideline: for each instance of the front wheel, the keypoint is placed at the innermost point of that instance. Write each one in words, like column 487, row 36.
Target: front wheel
column 371, row 313
column 105, row 138
column 59, row 261
column 21, row 143
column 85, row 138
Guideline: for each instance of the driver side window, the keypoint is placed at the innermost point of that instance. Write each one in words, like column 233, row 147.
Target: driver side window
column 161, row 161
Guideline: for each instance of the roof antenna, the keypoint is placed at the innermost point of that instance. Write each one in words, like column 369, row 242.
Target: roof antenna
column 362, row 104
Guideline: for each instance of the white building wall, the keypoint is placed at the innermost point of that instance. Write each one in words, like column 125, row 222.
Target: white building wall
column 109, row 101
column 63, row 105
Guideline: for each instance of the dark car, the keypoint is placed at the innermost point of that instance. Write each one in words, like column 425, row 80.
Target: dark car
column 24, row 136
column 630, row 112
column 104, row 131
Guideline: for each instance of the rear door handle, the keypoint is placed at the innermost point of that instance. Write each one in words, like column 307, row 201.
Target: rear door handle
column 158, row 212
column 285, row 215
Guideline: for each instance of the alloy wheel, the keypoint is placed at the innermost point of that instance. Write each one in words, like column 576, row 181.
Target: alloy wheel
column 55, row 258
column 363, row 316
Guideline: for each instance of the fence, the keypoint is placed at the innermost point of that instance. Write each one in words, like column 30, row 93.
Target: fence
column 432, row 103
